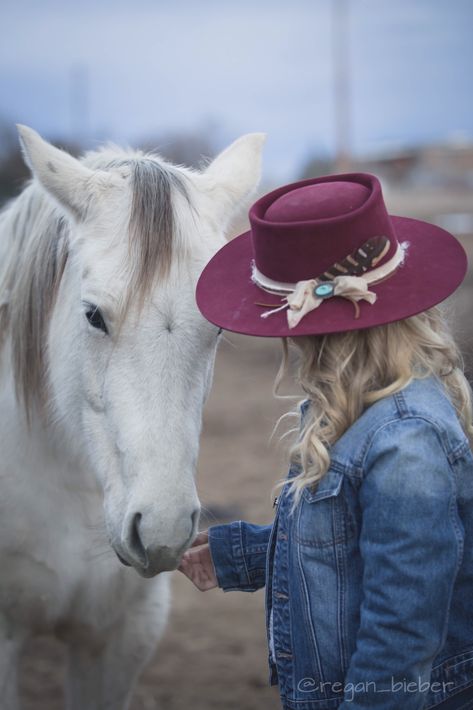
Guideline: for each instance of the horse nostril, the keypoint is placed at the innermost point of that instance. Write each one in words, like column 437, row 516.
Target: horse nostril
column 195, row 519
column 134, row 540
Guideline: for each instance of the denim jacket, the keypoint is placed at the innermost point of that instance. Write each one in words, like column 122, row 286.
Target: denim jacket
column 369, row 584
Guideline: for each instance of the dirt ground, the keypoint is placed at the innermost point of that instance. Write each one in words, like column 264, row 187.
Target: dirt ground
column 213, row 655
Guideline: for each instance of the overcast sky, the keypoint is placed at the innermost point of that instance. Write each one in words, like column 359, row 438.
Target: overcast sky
column 237, row 66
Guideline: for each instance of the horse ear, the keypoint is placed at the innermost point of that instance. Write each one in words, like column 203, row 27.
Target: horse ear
column 64, row 177
column 236, row 172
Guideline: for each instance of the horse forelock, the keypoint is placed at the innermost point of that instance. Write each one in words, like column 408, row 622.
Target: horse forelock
column 154, row 241
column 32, row 273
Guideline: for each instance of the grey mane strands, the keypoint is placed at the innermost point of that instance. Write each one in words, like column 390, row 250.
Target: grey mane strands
column 31, row 279
column 152, row 230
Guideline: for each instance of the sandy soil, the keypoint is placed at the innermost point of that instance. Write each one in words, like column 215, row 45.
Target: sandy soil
column 213, row 655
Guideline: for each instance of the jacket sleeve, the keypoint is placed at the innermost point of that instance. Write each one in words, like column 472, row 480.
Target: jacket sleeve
column 238, row 553
column 411, row 543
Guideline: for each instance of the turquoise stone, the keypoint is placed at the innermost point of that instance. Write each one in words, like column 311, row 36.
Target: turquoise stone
column 324, row 290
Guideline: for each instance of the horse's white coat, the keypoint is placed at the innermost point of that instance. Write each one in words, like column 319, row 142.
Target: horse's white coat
column 123, row 433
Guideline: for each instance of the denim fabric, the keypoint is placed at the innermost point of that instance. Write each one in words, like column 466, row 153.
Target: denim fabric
column 463, row 700
column 369, row 584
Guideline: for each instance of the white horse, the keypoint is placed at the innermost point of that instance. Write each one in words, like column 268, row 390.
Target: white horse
column 105, row 365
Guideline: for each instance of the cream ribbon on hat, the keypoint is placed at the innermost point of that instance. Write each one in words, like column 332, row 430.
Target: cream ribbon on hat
column 305, row 296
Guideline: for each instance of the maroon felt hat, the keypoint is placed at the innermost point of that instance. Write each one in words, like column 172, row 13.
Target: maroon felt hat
column 324, row 256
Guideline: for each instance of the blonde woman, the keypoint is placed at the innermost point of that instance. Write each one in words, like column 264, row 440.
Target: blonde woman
column 368, row 565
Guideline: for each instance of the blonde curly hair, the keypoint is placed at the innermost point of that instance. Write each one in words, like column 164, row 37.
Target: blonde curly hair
column 343, row 373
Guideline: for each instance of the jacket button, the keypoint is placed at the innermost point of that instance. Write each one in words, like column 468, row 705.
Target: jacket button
column 283, row 654
column 281, row 595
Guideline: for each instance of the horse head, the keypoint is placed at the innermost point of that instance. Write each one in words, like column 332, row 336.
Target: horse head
column 128, row 357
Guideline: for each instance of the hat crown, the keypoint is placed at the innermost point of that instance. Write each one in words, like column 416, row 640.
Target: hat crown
column 301, row 230
column 319, row 201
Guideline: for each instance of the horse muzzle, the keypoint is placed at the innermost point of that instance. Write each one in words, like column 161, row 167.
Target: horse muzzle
column 145, row 548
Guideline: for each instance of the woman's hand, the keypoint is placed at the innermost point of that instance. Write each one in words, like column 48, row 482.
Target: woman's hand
column 197, row 565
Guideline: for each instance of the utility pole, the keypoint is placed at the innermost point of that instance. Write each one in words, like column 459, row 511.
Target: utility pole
column 341, row 84
column 79, row 104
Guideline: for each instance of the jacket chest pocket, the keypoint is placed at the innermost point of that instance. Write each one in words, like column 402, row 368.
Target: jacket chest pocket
column 323, row 517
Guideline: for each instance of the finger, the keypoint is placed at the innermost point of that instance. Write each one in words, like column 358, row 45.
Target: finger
column 185, row 567
column 195, row 554
column 203, row 582
column 201, row 538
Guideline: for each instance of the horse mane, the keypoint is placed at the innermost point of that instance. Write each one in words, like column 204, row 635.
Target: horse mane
column 36, row 254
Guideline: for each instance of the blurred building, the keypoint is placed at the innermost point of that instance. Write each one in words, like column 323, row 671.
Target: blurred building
column 433, row 182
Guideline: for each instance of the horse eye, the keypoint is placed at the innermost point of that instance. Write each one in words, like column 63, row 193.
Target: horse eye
column 95, row 318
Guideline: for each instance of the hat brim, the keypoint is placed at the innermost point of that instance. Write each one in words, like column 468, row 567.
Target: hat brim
column 435, row 264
